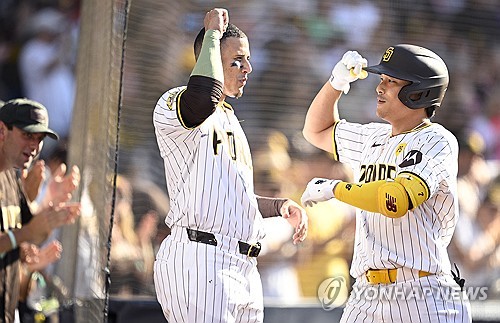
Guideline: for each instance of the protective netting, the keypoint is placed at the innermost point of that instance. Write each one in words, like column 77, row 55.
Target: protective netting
column 92, row 146
column 294, row 46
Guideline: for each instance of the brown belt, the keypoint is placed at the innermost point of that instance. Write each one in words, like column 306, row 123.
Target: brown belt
column 387, row 276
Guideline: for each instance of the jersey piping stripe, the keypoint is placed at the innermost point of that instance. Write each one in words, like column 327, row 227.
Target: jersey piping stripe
column 334, row 146
column 179, row 114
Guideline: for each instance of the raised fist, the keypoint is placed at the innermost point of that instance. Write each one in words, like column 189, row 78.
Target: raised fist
column 348, row 70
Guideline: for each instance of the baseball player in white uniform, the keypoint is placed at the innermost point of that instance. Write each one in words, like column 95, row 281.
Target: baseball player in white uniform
column 205, row 271
column 405, row 190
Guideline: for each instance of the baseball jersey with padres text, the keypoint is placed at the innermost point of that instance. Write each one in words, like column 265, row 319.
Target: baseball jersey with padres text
column 419, row 239
column 215, row 159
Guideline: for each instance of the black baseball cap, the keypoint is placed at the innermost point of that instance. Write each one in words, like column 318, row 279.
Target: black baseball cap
column 28, row 115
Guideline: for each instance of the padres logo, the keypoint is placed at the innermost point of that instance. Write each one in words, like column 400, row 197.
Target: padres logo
column 388, row 54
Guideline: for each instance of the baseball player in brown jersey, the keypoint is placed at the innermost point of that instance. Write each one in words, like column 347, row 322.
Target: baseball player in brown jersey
column 23, row 127
column 205, row 271
column 406, row 188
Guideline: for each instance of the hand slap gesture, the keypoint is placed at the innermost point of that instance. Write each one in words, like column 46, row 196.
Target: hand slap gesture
column 297, row 217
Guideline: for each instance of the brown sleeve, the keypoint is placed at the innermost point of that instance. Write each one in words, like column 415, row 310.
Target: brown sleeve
column 270, row 206
column 199, row 100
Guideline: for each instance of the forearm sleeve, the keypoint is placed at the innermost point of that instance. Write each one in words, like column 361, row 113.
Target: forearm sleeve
column 270, row 206
column 204, row 89
column 209, row 62
column 390, row 198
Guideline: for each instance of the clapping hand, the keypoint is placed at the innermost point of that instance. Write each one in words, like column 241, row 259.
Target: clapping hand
column 61, row 185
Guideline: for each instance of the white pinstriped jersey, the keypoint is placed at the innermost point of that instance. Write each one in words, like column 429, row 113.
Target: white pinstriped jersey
column 419, row 239
column 208, row 171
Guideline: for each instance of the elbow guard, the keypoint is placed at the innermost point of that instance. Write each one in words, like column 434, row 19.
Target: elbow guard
column 416, row 188
column 390, row 198
column 393, row 200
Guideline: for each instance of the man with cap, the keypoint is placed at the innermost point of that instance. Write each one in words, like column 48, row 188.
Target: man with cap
column 23, row 126
column 405, row 188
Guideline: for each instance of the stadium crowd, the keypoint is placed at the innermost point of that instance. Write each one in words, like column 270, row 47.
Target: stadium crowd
column 294, row 46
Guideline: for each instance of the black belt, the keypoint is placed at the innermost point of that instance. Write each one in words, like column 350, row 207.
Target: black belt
column 250, row 250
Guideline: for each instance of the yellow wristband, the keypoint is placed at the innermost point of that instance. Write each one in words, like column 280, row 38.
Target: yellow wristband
column 12, row 238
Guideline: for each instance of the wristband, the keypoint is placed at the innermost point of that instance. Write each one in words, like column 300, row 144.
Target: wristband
column 12, row 238
column 270, row 206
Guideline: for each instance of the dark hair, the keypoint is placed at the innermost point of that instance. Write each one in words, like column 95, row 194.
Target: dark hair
column 231, row 31
column 430, row 111
column 59, row 154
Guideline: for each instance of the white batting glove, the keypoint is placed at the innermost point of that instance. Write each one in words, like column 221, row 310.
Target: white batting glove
column 348, row 70
column 318, row 190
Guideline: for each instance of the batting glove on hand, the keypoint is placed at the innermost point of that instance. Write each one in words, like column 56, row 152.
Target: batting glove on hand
column 348, row 70
column 318, row 190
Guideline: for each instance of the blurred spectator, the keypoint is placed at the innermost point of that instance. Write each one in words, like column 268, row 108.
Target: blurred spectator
column 473, row 178
column 132, row 253
column 284, row 70
column 50, row 166
column 277, row 259
column 473, row 173
column 329, row 247
column 469, row 46
column 46, row 70
column 10, row 84
column 23, row 126
column 33, row 179
column 35, row 296
column 446, row 9
column 480, row 261
column 271, row 164
column 277, row 263
column 39, row 294
column 487, row 123
column 479, row 23
column 358, row 20
column 150, row 205
column 321, row 29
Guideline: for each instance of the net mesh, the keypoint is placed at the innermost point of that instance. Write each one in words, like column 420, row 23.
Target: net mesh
column 92, row 146
column 294, row 46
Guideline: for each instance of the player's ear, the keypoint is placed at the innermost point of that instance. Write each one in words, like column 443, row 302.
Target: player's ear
column 3, row 130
